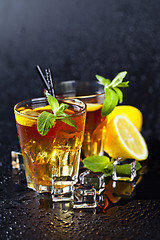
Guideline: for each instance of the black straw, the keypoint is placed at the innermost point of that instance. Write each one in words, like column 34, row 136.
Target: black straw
column 50, row 81
column 42, row 77
column 47, row 80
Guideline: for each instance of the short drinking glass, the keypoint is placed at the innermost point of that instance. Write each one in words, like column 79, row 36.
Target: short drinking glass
column 55, row 155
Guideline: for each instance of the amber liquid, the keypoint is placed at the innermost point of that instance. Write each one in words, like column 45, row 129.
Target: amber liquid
column 55, row 154
column 94, row 133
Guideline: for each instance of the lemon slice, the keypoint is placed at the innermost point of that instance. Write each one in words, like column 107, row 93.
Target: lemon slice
column 124, row 140
column 45, row 108
column 93, row 107
column 30, row 113
column 132, row 113
column 29, row 117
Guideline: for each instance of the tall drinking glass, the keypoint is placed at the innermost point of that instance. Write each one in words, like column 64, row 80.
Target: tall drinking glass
column 56, row 155
column 92, row 93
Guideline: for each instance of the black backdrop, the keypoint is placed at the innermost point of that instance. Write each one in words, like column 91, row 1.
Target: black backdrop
column 78, row 39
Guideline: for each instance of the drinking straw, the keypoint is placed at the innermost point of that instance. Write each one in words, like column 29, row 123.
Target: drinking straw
column 50, row 81
column 43, row 77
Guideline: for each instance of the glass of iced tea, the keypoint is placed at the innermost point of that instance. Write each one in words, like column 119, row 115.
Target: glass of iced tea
column 56, row 155
column 92, row 93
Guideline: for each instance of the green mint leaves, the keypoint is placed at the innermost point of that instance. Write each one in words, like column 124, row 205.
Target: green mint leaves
column 105, row 165
column 96, row 163
column 113, row 94
column 46, row 120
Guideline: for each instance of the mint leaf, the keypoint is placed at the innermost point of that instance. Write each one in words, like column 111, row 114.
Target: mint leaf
column 112, row 91
column 103, row 80
column 138, row 165
column 45, row 122
column 123, row 170
column 123, row 84
column 108, row 170
column 118, row 79
column 61, row 109
column 96, row 163
column 105, row 164
column 53, row 102
column 119, row 93
column 110, row 102
column 69, row 122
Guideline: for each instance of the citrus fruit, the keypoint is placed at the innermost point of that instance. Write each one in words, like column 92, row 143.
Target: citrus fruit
column 132, row 113
column 124, row 140
column 44, row 108
column 27, row 117
column 93, row 107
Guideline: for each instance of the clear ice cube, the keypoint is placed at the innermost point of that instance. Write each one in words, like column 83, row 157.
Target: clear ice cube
column 84, row 196
column 17, row 160
column 97, row 179
column 116, row 176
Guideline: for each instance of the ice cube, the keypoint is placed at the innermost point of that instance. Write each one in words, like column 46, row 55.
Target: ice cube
column 17, row 160
column 120, row 161
column 84, row 196
column 95, row 178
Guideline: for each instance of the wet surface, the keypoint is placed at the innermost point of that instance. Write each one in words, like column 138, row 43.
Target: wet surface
column 25, row 214
column 30, row 219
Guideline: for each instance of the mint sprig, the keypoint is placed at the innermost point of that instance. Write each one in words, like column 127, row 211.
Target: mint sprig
column 46, row 120
column 105, row 164
column 113, row 94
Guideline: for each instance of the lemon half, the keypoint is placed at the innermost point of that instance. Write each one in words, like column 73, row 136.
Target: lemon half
column 132, row 113
column 124, row 140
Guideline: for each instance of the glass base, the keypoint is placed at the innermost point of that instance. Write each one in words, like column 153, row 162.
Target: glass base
column 84, row 205
column 62, row 191
column 39, row 188
column 62, row 206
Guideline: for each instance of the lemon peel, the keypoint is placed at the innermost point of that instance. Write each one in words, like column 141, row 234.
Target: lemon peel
column 124, row 140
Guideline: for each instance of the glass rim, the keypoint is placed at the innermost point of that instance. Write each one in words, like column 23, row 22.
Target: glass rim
column 43, row 99
column 81, row 96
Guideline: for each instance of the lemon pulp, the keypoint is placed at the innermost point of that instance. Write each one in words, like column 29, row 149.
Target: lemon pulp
column 124, row 140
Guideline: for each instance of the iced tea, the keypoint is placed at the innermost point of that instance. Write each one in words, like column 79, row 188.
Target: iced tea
column 94, row 131
column 56, row 153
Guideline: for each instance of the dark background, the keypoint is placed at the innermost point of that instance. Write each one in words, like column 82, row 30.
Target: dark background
column 78, row 39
